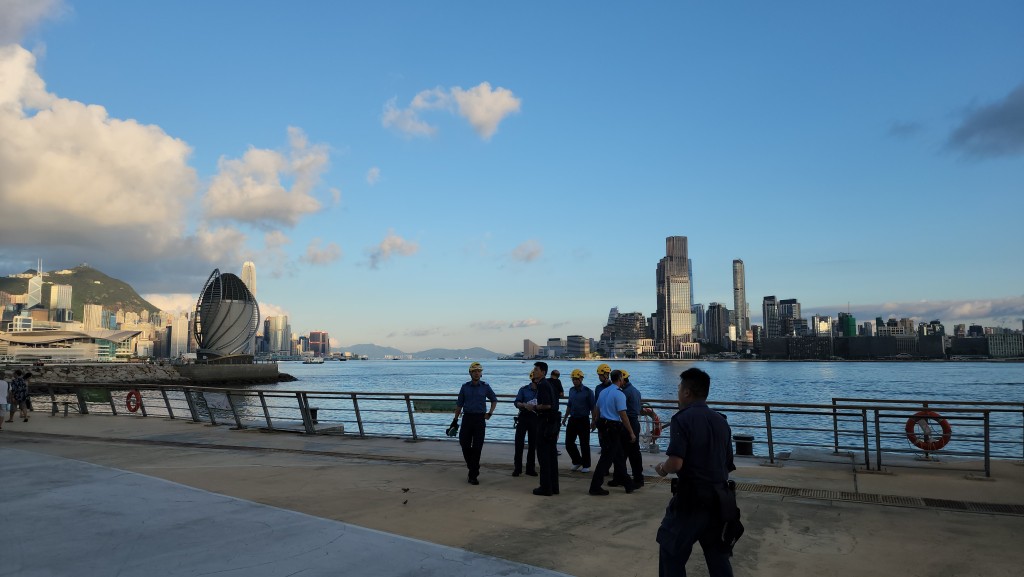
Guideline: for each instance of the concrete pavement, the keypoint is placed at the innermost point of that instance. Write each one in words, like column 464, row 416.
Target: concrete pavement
column 802, row 517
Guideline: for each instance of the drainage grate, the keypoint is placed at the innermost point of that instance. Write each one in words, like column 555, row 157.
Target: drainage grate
column 870, row 498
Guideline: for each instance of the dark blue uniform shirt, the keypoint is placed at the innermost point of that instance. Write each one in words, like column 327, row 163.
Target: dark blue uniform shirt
column 632, row 401
column 473, row 397
column 581, row 402
column 599, row 388
column 703, row 440
column 546, row 395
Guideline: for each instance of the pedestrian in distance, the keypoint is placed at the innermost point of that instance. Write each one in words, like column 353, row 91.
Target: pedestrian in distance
column 548, row 425
column 634, row 403
column 703, row 506
column 603, row 372
column 577, row 421
column 19, row 396
column 5, row 398
column 556, row 385
column 616, row 433
column 526, row 428
column 472, row 405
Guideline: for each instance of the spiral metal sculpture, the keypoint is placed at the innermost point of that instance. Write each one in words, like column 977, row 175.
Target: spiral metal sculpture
column 226, row 317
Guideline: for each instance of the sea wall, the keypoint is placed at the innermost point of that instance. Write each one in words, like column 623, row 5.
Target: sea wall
column 153, row 374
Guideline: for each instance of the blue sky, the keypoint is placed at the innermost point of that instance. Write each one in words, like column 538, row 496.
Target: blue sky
column 466, row 174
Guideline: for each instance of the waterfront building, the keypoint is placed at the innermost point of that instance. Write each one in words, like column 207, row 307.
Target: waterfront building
column 249, row 276
column 60, row 296
column 556, row 347
column 277, row 332
column 847, row 325
column 770, row 314
column 739, row 299
column 867, row 329
column 698, row 321
column 320, row 343
column 530, row 349
column 821, row 325
column 577, row 347
column 717, row 319
column 1005, row 345
column 976, row 331
column 93, row 317
column 674, row 319
column 69, row 345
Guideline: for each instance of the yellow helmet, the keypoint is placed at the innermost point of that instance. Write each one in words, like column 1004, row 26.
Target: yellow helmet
column 476, row 367
column 603, row 369
column 577, row 374
column 625, row 374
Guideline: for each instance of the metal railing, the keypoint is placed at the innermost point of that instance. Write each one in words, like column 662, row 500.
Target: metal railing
column 865, row 429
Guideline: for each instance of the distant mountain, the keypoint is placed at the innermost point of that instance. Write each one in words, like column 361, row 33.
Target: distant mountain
column 88, row 286
column 379, row 352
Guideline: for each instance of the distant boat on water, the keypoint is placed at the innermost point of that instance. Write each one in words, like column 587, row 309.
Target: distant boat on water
column 313, row 361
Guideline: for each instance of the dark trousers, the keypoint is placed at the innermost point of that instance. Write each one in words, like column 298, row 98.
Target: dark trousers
column 636, row 460
column 676, row 536
column 578, row 428
column 471, row 437
column 526, row 430
column 612, row 453
column 547, row 455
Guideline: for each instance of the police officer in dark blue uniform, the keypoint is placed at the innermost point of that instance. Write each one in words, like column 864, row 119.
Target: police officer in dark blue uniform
column 472, row 404
column 700, row 453
column 548, row 426
column 526, row 428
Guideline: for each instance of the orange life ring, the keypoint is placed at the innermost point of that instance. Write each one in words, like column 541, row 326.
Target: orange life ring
column 928, row 442
column 656, row 426
column 133, row 401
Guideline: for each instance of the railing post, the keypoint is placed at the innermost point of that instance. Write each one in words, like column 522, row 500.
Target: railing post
column 412, row 421
column 113, row 409
column 307, row 422
column 167, row 402
column 83, row 407
column 266, row 412
column 768, row 426
column 142, row 404
column 835, row 428
column 878, row 443
column 359, row 418
column 53, row 400
column 988, row 455
column 864, row 428
column 191, row 404
column 209, row 410
column 234, row 411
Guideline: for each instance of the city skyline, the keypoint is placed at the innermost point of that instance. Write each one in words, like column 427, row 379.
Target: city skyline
column 415, row 176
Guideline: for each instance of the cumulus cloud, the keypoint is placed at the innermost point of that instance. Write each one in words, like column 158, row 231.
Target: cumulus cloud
column 317, row 255
column 250, row 189
column 173, row 302
column 481, row 105
column 993, row 130
column 489, row 325
column 19, row 16
column 79, row 179
column 275, row 239
column 392, row 245
column 528, row 251
column 373, row 175
column 523, row 324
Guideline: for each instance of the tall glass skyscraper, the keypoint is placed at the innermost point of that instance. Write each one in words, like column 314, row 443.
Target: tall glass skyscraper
column 739, row 300
column 249, row 276
column 674, row 318
column 770, row 310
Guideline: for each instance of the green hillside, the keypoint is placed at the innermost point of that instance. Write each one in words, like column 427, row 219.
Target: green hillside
column 89, row 286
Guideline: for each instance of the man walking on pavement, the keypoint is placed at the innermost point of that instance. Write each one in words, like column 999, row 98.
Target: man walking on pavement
column 472, row 403
column 615, row 432
column 526, row 428
column 549, row 421
column 578, row 413
column 633, row 405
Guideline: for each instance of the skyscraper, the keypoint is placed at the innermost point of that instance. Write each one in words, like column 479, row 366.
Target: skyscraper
column 320, row 343
column 249, row 276
column 92, row 317
column 770, row 310
column 739, row 300
column 674, row 329
column 60, row 296
column 35, row 288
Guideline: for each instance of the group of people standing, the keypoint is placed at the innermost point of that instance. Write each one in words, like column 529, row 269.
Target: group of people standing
column 14, row 395
column 615, row 417
column 703, row 507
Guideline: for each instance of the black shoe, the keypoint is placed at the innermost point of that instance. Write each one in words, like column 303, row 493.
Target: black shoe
column 532, row 473
column 637, row 483
column 474, row 482
column 629, row 489
column 614, row 484
column 599, row 492
column 541, row 492
column 516, row 473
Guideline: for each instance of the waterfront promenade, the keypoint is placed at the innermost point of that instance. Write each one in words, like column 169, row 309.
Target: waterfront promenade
column 84, row 495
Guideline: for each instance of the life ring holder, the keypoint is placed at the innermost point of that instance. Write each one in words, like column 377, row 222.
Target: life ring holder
column 655, row 429
column 133, row 401
column 928, row 441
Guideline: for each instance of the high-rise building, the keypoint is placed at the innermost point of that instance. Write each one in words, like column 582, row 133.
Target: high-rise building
column 674, row 325
column 847, row 325
column 320, row 343
column 35, row 288
column 698, row 321
column 60, row 296
column 739, row 299
column 770, row 312
column 278, row 335
column 717, row 324
column 249, row 276
column 180, row 331
column 93, row 317
column 577, row 346
column 530, row 349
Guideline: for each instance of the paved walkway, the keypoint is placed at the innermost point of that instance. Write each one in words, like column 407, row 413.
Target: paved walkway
column 802, row 517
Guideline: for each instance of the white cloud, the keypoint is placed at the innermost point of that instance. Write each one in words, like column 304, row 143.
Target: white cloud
column 326, row 255
column 173, row 302
column 523, row 324
column 391, row 245
column 275, row 239
column 1004, row 311
column 483, row 107
column 489, row 325
column 18, row 16
column 250, row 189
column 373, row 175
column 77, row 178
column 528, row 251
